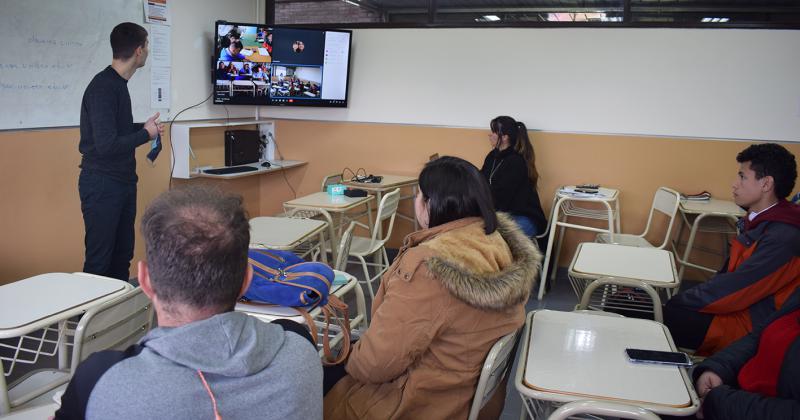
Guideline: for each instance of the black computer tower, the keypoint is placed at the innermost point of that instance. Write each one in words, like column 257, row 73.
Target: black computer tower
column 242, row 147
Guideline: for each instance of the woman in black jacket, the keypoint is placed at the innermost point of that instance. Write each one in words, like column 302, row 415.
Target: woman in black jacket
column 510, row 169
column 758, row 376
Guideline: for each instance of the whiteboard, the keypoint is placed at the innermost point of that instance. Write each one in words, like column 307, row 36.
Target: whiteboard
column 50, row 52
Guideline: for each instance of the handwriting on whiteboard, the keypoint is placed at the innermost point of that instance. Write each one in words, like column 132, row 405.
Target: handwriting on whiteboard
column 54, row 42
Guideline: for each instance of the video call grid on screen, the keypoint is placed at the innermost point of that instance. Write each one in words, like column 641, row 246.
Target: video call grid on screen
column 261, row 65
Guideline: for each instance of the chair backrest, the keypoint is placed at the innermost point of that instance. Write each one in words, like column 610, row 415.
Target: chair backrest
column 602, row 408
column 344, row 248
column 666, row 201
column 622, row 296
column 494, row 371
column 331, row 179
column 387, row 209
column 115, row 325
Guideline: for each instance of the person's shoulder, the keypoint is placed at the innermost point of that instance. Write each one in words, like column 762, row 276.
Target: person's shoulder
column 297, row 354
column 104, row 81
column 783, row 231
column 515, row 158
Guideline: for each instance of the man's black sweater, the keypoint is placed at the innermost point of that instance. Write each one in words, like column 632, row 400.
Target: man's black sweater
column 108, row 135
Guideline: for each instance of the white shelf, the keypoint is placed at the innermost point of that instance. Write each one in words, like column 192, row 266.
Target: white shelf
column 184, row 156
column 275, row 166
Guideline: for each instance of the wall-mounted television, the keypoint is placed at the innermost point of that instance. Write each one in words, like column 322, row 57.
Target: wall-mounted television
column 255, row 64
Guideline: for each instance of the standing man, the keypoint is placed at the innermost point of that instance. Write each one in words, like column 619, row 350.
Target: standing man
column 109, row 138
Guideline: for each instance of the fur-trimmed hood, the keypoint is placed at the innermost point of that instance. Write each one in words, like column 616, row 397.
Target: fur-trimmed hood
column 475, row 268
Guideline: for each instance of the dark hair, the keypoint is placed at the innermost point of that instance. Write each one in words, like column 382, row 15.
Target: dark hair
column 196, row 242
column 518, row 140
column 770, row 159
column 455, row 189
column 126, row 38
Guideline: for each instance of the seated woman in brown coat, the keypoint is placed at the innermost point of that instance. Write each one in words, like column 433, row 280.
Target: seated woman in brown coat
column 454, row 289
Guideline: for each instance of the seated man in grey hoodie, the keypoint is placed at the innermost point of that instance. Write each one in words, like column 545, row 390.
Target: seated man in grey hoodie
column 204, row 360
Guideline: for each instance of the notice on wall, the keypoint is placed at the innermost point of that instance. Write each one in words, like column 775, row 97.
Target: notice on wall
column 160, row 66
column 157, row 12
column 159, row 87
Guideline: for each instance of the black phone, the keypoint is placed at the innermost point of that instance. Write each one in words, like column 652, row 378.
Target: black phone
column 659, row 357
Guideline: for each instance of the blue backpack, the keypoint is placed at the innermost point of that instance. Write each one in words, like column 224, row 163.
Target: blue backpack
column 282, row 278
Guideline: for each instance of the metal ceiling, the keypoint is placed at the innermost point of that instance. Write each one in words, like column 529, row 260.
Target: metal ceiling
column 728, row 13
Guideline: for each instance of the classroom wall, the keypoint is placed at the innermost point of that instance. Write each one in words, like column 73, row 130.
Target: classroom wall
column 726, row 84
column 673, row 91
column 309, row 74
column 43, row 230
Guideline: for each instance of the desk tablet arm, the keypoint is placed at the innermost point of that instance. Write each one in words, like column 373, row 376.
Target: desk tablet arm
column 602, row 408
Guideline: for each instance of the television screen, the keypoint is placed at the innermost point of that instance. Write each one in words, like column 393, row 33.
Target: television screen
column 269, row 65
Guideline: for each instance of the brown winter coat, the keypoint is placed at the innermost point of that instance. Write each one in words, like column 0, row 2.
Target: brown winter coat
column 450, row 294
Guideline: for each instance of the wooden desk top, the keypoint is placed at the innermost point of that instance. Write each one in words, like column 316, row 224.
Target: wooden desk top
column 572, row 356
column 713, row 206
column 256, row 57
column 282, row 232
column 331, row 203
column 604, row 194
column 389, row 182
column 652, row 265
column 45, row 296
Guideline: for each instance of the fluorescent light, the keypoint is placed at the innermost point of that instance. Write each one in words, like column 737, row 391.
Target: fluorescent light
column 723, row 20
column 715, row 20
column 706, row 20
column 491, row 18
column 352, row 2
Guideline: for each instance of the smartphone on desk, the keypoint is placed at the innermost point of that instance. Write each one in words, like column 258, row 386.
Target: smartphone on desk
column 672, row 358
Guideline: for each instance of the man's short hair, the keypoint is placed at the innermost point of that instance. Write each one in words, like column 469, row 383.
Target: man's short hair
column 770, row 159
column 126, row 38
column 196, row 242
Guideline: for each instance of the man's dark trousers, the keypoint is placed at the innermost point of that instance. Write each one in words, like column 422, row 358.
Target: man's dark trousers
column 109, row 212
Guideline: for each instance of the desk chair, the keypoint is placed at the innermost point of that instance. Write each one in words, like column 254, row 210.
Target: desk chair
column 602, row 408
column 494, row 372
column 243, row 86
column 364, row 247
column 568, row 205
column 665, row 201
column 311, row 247
column 114, row 325
column 344, row 248
column 337, row 178
column 621, row 295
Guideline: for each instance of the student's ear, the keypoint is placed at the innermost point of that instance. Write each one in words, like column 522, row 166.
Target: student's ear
column 248, row 278
column 143, row 275
column 768, row 183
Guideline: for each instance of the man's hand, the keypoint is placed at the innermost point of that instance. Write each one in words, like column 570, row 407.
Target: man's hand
column 706, row 382
column 153, row 126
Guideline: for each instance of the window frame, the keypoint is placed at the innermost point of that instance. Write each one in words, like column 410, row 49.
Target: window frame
column 628, row 13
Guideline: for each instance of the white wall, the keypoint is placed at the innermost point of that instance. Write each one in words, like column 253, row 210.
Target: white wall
column 192, row 45
column 311, row 74
column 740, row 84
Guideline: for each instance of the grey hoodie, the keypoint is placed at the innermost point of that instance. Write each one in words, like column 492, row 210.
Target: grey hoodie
column 255, row 370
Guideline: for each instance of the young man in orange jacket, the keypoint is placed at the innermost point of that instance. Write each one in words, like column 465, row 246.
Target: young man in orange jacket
column 764, row 264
